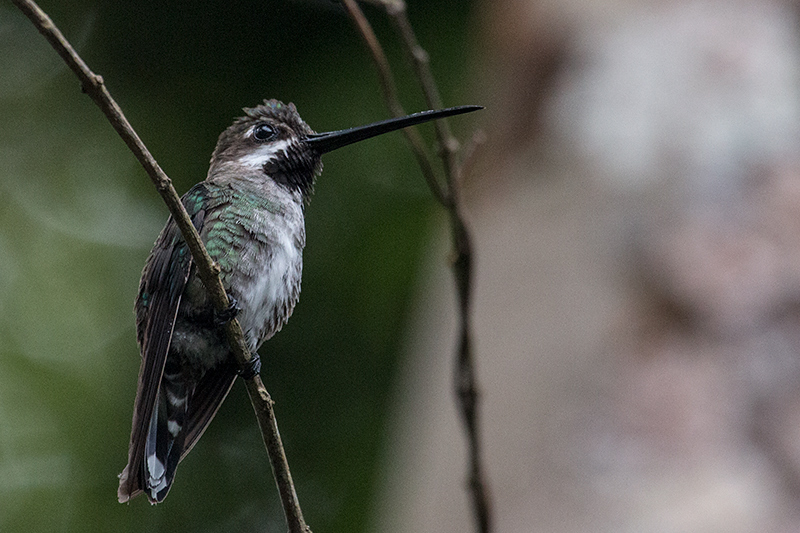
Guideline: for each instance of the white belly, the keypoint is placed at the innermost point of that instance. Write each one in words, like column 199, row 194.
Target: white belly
column 267, row 284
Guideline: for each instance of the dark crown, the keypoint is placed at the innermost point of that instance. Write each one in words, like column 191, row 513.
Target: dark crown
column 278, row 111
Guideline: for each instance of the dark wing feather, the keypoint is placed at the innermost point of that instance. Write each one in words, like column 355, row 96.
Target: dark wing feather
column 207, row 398
column 164, row 277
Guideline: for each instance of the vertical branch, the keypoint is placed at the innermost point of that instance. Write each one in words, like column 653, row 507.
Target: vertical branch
column 207, row 270
column 449, row 196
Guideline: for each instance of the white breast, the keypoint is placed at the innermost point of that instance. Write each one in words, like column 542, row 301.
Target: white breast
column 270, row 285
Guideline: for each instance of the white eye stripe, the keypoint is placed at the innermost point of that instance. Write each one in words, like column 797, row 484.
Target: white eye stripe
column 262, row 154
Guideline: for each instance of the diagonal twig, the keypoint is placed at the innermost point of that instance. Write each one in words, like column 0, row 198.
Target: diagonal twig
column 389, row 89
column 449, row 195
column 93, row 85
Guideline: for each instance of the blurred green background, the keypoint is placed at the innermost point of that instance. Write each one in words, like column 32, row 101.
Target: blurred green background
column 78, row 216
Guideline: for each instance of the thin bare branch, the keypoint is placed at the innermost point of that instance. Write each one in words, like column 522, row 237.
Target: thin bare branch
column 450, row 197
column 448, row 145
column 469, row 152
column 208, row 272
column 389, row 88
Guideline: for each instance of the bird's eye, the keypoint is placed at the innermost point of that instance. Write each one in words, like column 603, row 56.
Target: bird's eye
column 264, row 132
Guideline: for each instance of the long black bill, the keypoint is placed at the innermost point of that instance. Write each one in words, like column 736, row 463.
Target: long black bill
column 325, row 142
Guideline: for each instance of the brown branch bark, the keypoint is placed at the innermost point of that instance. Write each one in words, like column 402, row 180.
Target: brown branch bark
column 207, row 270
column 449, row 195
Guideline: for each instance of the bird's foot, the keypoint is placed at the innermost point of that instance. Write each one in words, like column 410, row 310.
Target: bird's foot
column 252, row 368
column 226, row 315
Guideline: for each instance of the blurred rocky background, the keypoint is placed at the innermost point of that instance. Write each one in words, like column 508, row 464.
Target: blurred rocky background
column 636, row 210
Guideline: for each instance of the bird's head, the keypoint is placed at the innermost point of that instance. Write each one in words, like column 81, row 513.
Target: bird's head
column 273, row 139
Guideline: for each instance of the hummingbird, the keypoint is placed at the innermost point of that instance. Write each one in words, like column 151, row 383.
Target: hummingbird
column 249, row 212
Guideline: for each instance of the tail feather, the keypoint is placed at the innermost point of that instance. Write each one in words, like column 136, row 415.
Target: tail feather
column 184, row 406
column 166, row 433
